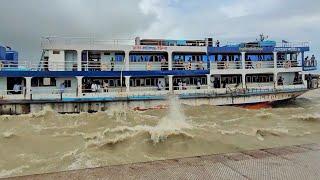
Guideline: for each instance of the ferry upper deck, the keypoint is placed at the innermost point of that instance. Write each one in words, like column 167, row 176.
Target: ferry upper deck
column 157, row 65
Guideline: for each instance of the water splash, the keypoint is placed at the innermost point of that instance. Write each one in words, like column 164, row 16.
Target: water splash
column 172, row 125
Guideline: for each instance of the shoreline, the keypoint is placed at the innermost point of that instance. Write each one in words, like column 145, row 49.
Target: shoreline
column 290, row 162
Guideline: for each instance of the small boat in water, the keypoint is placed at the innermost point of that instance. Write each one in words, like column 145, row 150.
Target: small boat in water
column 85, row 75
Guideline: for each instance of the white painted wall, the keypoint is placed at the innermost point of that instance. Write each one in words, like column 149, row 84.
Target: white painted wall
column 56, row 61
column 70, row 60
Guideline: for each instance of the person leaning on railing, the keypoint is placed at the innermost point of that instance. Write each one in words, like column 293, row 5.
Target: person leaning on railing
column 313, row 61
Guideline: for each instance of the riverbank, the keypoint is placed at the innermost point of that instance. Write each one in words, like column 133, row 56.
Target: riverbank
column 292, row 162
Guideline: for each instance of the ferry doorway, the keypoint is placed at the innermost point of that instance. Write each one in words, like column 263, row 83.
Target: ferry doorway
column 15, row 85
column 224, row 81
column 99, row 85
column 187, row 82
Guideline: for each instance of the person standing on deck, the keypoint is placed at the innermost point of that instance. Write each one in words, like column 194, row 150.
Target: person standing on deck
column 159, row 86
column 313, row 60
column 112, row 64
column 198, row 84
column 180, row 85
column 94, row 87
column 105, row 86
column 62, row 88
column 218, row 43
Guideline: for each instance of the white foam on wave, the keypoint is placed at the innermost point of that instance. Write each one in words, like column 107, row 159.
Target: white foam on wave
column 9, row 133
column 82, row 160
column 173, row 124
column 9, row 172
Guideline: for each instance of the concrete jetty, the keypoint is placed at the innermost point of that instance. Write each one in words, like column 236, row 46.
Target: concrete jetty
column 294, row 162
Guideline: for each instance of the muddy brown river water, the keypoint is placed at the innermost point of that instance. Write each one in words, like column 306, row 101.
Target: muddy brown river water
column 49, row 142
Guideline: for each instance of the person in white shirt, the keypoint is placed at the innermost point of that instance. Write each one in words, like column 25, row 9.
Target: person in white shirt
column 94, row 87
column 105, row 86
column 180, row 85
column 16, row 88
column 184, row 86
column 198, row 84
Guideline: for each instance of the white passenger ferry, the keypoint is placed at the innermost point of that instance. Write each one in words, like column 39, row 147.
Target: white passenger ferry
column 86, row 75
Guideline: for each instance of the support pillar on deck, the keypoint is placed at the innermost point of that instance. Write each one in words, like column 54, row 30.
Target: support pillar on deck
column 28, row 88
column 275, row 60
column 79, row 86
column 79, row 60
column 127, row 81
column 209, row 81
column 244, row 85
column 170, row 83
column 305, row 82
column 127, row 61
column 170, row 60
column 275, row 79
column 243, row 60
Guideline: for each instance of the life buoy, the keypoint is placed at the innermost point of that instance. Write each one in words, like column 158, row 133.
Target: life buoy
column 226, row 65
column 287, row 64
column 259, row 65
column 149, row 66
column 104, row 67
column 188, row 66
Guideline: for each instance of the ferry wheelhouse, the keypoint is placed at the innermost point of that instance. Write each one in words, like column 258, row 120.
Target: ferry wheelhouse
column 83, row 74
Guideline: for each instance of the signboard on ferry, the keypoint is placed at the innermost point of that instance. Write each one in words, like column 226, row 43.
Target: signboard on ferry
column 287, row 49
column 149, row 48
column 250, row 49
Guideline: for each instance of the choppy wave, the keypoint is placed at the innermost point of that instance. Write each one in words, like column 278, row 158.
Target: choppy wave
column 308, row 117
column 7, row 173
column 9, row 134
column 122, row 135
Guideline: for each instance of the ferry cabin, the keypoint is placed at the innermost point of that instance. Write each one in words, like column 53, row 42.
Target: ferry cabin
column 78, row 68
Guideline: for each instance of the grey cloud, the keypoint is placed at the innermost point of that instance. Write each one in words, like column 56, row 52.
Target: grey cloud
column 24, row 22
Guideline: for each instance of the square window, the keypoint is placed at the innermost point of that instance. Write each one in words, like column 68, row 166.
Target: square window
column 55, row 52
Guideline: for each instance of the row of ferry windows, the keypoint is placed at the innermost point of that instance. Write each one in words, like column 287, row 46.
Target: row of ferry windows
column 139, row 57
column 149, row 82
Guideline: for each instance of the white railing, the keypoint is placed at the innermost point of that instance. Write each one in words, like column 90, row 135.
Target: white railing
column 288, row 64
column 278, row 44
column 310, row 63
column 101, row 66
column 226, row 65
column 259, row 64
column 189, row 66
column 61, row 41
column 147, row 66
column 56, row 94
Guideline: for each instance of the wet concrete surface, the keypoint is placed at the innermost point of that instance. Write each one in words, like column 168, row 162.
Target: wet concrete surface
column 294, row 162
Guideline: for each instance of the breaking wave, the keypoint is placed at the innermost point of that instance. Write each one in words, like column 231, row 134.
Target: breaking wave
column 309, row 117
column 7, row 173
column 172, row 125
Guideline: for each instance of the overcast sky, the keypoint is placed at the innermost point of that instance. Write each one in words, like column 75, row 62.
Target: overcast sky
column 24, row 22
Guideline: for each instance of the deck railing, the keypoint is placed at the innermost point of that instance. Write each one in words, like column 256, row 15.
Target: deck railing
column 63, row 41
column 191, row 91
column 148, row 66
column 226, row 65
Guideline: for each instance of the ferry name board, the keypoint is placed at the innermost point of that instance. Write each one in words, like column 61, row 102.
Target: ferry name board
column 149, row 48
column 286, row 49
column 246, row 49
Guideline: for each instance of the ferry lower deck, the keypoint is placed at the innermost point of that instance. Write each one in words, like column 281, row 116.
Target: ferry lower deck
column 90, row 76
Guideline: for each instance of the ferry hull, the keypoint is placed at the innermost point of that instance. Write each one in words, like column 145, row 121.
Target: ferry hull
column 248, row 101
